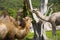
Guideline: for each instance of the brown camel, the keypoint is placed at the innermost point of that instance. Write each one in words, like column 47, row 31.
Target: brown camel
column 11, row 31
column 12, row 28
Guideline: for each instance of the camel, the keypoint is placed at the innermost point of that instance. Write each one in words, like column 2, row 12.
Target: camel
column 12, row 30
column 54, row 19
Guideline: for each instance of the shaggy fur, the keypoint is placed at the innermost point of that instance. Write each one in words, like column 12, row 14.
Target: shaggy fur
column 14, row 31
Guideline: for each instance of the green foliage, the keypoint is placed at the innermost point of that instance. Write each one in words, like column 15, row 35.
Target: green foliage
column 56, row 5
column 11, row 5
column 12, row 12
column 14, row 5
column 0, row 12
column 26, row 10
column 36, row 3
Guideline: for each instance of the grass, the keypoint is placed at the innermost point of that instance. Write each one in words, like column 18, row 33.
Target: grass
column 29, row 36
column 58, row 35
column 48, row 33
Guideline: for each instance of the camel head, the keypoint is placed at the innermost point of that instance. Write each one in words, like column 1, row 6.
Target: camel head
column 26, row 21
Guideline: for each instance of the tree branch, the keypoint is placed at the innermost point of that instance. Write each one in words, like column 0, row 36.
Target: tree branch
column 49, row 8
column 40, row 15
